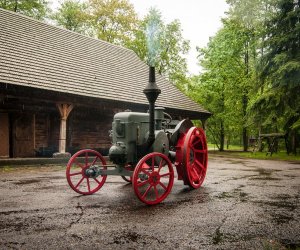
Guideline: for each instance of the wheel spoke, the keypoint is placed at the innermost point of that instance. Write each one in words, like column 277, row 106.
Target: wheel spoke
column 77, row 163
column 156, row 192
column 195, row 142
column 88, row 184
column 142, row 183
column 195, row 174
column 94, row 161
column 77, row 173
column 161, row 165
column 153, row 162
column 145, row 172
column 146, row 192
column 198, row 163
column 167, row 174
column 79, row 182
column 203, row 151
column 86, row 159
column 163, row 185
column 95, row 179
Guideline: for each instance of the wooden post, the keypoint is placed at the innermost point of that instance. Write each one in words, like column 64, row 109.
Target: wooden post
column 64, row 110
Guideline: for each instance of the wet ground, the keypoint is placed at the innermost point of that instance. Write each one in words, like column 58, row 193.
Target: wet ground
column 243, row 204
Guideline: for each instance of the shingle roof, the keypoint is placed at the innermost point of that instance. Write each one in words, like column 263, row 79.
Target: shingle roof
column 43, row 56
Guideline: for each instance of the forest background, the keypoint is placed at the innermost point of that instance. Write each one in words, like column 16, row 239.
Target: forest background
column 250, row 78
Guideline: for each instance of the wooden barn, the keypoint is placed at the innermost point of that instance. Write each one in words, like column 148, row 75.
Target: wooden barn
column 59, row 90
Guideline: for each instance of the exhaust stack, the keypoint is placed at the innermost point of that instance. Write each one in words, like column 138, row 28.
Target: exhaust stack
column 151, row 92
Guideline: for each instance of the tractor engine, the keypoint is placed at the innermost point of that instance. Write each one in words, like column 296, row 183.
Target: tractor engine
column 130, row 136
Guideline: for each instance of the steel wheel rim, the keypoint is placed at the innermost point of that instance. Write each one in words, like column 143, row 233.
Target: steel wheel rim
column 152, row 182
column 195, row 157
column 75, row 172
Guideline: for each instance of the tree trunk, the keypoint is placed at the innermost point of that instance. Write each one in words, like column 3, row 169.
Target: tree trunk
column 222, row 137
column 16, row 6
column 245, row 100
column 245, row 140
column 228, row 142
column 294, row 144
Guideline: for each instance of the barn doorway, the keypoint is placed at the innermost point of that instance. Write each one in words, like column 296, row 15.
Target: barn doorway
column 22, row 135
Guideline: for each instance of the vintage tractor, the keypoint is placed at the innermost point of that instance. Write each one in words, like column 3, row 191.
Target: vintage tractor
column 143, row 152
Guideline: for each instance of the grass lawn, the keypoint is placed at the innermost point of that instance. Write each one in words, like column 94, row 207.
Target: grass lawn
column 236, row 151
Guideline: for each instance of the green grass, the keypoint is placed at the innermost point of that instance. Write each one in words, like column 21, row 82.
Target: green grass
column 237, row 151
column 231, row 147
column 259, row 155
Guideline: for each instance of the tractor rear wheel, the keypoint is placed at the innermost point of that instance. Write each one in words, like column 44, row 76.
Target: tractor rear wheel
column 194, row 157
column 153, row 178
column 80, row 174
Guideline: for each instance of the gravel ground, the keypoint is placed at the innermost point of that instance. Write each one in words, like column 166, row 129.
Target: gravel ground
column 243, row 204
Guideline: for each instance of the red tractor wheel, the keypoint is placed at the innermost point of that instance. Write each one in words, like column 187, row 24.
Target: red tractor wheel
column 194, row 158
column 127, row 178
column 153, row 178
column 80, row 173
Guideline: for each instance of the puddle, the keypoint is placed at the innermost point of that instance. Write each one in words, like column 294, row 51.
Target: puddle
column 224, row 195
column 290, row 244
column 267, row 178
column 262, row 171
column 278, row 204
column 294, row 163
column 237, row 162
column 294, row 169
column 281, row 218
column 281, row 196
column 217, row 237
column 24, row 182
column 290, row 176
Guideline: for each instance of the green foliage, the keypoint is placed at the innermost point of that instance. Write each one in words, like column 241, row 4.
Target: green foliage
column 251, row 78
column 113, row 21
column 225, row 82
column 37, row 9
column 280, row 71
column 72, row 15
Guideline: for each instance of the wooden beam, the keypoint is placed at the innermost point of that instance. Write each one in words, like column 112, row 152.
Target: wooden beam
column 64, row 110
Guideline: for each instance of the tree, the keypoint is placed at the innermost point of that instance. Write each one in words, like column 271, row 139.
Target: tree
column 221, row 88
column 113, row 20
column 250, row 15
column 37, row 9
column 280, row 72
column 72, row 15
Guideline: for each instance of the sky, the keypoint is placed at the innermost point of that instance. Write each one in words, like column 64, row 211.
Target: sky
column 200, row 19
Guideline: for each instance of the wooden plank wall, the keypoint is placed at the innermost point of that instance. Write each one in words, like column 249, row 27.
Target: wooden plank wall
column 42, row 130
column 4, row 135
column 89, row 129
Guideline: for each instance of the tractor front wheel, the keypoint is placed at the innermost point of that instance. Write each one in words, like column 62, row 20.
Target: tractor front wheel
column 153, row 178
column 81, row 171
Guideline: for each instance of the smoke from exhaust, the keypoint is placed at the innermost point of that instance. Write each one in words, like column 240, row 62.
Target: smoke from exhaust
column 153, row 35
